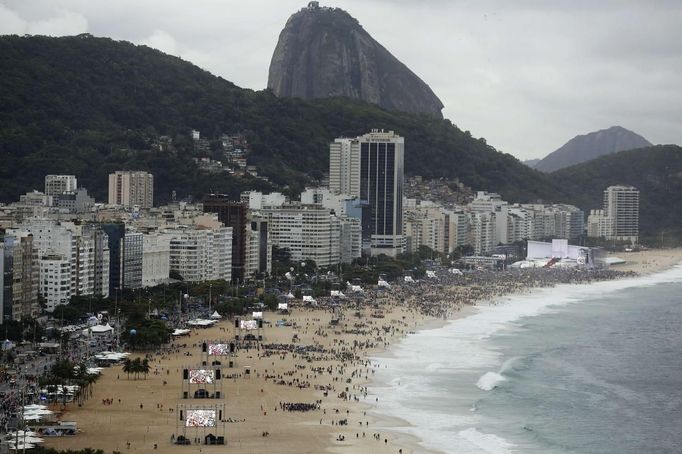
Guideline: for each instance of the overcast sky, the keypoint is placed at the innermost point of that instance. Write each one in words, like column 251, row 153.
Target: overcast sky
column 527, row 75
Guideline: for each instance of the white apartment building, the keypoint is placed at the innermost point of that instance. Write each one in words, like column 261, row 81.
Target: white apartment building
column 621, row 207
column 350, row 238
column 482, row 233
column 344, row 166
column 155, row 259
column 131, row 189
column 490, row 202
column 258, row 200
column 59, row 184
column 598, row 224
column 82, row 246
column 200, row 253
column 307, row 231
column 55, row 281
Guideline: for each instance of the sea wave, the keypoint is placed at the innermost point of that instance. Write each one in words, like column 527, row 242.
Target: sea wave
column 488, row 443
column 437, row 368
column 489, row 381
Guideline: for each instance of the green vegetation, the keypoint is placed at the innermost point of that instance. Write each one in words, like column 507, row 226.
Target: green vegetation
column 136, row 367
column 89, row 106
column 655, row 171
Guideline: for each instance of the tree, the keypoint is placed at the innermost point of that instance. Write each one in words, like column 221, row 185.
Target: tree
column 128, row 367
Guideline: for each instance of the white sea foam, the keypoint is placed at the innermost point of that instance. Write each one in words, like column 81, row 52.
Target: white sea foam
column 489, row 381
column 488, row 443
column 437, row 368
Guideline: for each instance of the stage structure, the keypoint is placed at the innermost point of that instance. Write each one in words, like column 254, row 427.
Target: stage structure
column 202, row 382
column 219, row 353
column 205, row 422
column 248, row 330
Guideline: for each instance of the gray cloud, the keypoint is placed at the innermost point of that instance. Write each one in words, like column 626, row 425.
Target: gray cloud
column 527, row 75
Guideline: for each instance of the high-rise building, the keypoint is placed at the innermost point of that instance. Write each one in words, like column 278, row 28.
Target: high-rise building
column 59, row 184
column 201, row 254
column 115, row 235
column 344, row 166
column 231, row 214
column 309, row 232
column 132, row 260
column 155, row 259
column 621, row 207
column 258, row 250
column 19, row 275
column 55, row 281
column 131, row 188
column 371, row 167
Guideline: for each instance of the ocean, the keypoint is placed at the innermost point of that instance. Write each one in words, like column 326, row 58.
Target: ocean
column 573, row 369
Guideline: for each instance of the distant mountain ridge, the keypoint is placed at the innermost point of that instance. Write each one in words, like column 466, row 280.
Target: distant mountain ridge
column 88, row 106
column 590, row 146
column 324, row 52
column 656, row 171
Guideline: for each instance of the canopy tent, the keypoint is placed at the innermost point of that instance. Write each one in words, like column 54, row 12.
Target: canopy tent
column 257, row 315
column 201, row 323
column 282, row 307
column 309, row 299
column 216, row 316
column 99, row 330
column 408, row 279
column 337, row 294
column 383, row 283
column 180, row 332
column 289, row 296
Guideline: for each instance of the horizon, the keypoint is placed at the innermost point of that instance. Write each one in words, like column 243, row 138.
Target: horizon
column 493, row 74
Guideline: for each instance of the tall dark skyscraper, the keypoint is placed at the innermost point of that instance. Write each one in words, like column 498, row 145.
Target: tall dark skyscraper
column 232, row 214
column 371, row 167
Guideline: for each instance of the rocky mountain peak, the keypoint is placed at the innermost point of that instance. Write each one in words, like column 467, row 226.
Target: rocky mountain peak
column 324, row 52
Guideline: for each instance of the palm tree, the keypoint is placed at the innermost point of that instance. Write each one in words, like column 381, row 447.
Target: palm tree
column 137, row 367
column 144, row 368
column 128, row 367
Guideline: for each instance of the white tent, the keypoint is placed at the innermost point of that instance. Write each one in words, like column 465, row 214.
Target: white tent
column 338, row 294
column 180, row 332
column 309, row 299
column 216, row 316
column 289, row 295
column 455, row 271
column 282, row 307
column 257, row 315
column 431, row 274
column 383, row 283
column 408, row 279
column 99, row 330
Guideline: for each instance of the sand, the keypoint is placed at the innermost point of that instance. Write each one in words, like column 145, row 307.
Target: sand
column 648, row 261
column 254, row 402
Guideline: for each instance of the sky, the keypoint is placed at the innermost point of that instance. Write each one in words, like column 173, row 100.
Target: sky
column 527, row 75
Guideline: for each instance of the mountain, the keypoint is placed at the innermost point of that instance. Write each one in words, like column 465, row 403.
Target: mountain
column 656, row 171
column 324, row 52
column 590, row 146
column 88, row 106
column 531, row 162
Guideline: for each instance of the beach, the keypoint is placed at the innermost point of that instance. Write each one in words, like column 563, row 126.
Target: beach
column 142, row 415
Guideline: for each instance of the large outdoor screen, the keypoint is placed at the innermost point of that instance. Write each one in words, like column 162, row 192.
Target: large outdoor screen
column 200, row 418
column 248, row 324
column 218, row 349
column 201, row 376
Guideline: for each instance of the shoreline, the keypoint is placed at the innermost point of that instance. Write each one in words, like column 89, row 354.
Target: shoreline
column 368, row 332
column 644, row 263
